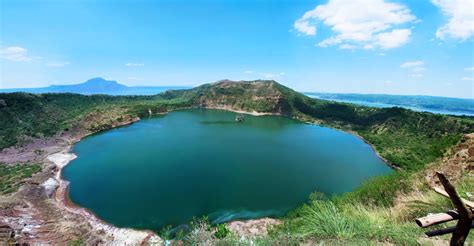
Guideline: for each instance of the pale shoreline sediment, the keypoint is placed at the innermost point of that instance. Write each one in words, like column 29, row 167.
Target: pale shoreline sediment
column 117, row 235
column 114, row 235
column 254, row 113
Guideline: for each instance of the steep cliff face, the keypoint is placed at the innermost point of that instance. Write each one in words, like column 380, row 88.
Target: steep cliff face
column 259, row 96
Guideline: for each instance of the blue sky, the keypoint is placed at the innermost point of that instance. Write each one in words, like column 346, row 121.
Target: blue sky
column 362, row 46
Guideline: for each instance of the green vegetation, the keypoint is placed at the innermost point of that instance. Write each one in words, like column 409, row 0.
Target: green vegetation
column 328, row 220
column 12, row 176
column 28, row 116
column 77, row 242
column 221, row 231
column 379, row 191
column 407, row 139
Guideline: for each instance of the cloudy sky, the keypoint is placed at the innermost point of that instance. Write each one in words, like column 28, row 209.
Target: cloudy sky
column 362, row 46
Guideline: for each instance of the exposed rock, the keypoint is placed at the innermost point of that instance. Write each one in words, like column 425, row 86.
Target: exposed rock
column 7, row 234
column 50, row 186
column 460, row 160
column 252, row 228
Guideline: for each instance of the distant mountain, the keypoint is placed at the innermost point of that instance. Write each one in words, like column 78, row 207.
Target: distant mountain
column 440, row 105
column 91, row 86
column 98, row 86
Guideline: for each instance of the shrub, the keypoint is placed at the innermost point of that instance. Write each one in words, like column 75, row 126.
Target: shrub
column 221, row 231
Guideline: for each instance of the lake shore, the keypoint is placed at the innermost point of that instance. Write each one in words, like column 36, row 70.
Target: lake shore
column 58, row 151
column 48, row 186
column 374, row 149
column 125, row 236
column 254, row 113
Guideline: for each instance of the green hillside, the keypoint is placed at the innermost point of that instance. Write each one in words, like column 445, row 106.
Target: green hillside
column 407, row 139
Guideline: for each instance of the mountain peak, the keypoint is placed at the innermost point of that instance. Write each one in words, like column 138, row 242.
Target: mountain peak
column 92, row 86
column 100, row 80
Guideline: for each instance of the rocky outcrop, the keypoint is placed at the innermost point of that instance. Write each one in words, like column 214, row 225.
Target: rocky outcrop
column 50, row 186
column 456, row 163
column 254, row 96
column 252, row 228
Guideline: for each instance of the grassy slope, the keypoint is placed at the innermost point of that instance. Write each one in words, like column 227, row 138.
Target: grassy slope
column 12, row 176
column 26, row 116
column 405, row 138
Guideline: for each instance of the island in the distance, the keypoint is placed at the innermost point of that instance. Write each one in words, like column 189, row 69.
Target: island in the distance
column 97, row 86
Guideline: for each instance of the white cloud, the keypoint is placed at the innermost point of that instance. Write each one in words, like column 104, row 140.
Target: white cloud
column 248, row 72
column 130, row 64
column 347, row 47
column 416, row 68
column 410, row 64
column 15, row 53
column 367, row 24
column 57, row 64
column 393, row 39
column 469, row 69
column 461, row 19
column 305, row 27
column 468, row 78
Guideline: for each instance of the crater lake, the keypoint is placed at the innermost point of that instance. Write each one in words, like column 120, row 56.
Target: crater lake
column 165, row 170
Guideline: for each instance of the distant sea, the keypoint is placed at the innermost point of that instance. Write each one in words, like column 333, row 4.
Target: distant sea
column 466, row 110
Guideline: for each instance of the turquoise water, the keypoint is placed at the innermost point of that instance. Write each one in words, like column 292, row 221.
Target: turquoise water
column 165, row 170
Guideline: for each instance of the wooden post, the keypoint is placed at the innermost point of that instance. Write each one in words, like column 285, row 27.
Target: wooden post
column 465, row 215
column 434, row 219
column 442, row 231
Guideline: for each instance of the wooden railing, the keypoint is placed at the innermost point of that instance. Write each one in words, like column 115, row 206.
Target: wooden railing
column 463, row 213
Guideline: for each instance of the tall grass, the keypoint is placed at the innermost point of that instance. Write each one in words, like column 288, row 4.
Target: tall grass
column 327, row 220
column 379, row 191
